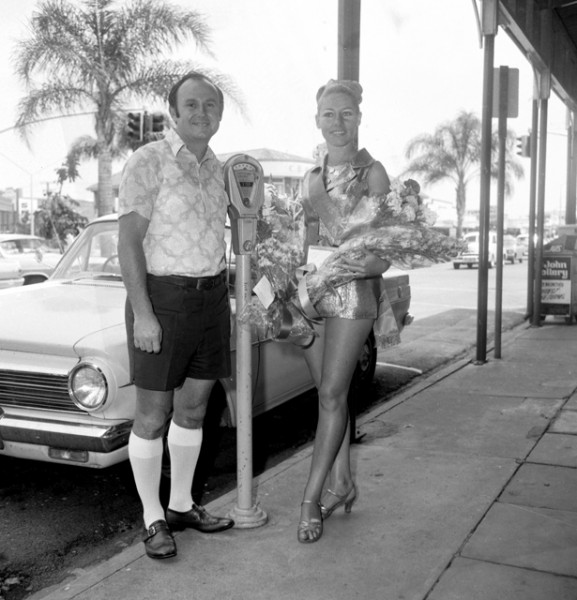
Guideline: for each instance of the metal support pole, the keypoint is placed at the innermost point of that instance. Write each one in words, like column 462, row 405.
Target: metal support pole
column 502, row 132
column 536, row 320
column 246, row 514
column 532, row 211
column 349, row 34
column 571, row 201
column 485, row 199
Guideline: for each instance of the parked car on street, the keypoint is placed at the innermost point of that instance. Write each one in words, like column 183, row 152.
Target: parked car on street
column 10, row 273
column 65, row 390
column 470, row 256
column 511, row 252
column 523, row 245
column 37, row 260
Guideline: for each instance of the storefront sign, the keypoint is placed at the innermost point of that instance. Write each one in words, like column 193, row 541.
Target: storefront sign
column 556, row 280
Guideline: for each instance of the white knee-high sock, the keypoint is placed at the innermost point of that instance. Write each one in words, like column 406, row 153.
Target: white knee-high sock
column 184, row 447
column 146, row 461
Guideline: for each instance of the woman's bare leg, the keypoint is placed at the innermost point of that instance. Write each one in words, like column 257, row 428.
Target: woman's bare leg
column 332, row 359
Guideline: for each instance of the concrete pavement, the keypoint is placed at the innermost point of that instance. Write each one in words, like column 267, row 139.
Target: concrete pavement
column 467, row 486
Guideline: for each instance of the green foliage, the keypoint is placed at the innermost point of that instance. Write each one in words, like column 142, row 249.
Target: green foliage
column 102, row 56
column 453, row 153
column 56, row 217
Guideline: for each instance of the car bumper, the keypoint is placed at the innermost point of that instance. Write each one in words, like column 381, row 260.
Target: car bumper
column 61, row 440
column 472, row 259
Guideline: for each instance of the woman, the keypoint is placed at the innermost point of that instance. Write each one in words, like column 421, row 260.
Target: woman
column 331, row 192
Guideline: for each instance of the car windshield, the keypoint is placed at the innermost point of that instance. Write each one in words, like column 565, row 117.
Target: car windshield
column 94, row 255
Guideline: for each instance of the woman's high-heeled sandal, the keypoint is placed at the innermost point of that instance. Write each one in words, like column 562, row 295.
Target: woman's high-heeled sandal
column 310, row 531
column 346, row 499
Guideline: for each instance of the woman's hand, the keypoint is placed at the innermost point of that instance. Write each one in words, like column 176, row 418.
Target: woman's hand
column 370, row 265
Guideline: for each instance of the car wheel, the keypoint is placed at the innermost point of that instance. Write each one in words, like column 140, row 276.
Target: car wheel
column 469, row 266
column 456, row 265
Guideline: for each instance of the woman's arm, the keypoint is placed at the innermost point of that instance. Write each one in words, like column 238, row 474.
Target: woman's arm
column 378, row 180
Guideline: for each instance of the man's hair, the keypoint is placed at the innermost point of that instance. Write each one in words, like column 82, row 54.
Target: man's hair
column 173, row 94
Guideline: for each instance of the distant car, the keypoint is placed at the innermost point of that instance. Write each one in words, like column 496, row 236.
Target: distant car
column 511, row 252
column 523, row 245
column 10, row 273
column 470, row 256
column 65, row 389
column 37, row 260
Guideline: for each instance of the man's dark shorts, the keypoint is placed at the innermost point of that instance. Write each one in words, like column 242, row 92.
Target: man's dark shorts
column 195, row 319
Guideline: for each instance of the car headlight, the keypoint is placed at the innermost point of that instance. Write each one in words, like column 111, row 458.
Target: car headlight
column 87, row 386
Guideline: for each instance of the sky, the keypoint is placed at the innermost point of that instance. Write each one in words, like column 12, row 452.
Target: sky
column 421, row 63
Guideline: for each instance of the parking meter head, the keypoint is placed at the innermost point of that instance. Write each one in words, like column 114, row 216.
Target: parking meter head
column 244, row 182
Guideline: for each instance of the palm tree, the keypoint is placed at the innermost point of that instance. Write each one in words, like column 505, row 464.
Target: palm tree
column 97, row 58
column 453, row 152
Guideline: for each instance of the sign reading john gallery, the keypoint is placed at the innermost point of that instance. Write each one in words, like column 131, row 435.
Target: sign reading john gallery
column 556, row 280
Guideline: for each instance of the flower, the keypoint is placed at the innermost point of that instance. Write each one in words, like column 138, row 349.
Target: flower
column 279, row 251
column 397, row 227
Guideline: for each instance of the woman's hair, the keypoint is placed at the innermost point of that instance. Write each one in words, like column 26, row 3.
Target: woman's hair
column 172, row 95
column 345, row 86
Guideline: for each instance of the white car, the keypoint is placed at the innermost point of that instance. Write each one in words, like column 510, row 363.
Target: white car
column 36, row 259
column 470, row 256
column 10, row 273
column 65, row 390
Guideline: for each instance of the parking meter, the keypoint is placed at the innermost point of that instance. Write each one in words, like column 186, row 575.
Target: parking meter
column 244, row 182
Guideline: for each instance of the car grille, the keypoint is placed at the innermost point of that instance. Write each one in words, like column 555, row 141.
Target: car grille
column 35, row 390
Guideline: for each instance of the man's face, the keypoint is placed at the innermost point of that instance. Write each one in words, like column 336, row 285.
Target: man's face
column 199, row 111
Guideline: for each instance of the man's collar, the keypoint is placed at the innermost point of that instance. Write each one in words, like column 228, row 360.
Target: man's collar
column 174, row 141
column 176, row 144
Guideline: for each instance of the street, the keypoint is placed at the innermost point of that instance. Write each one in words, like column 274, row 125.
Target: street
column 56, row 518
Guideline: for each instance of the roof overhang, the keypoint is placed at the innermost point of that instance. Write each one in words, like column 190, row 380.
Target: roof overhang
column 546, row 32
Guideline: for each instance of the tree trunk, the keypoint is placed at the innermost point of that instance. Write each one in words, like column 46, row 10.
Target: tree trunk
column 105, row 191
column 461, row 207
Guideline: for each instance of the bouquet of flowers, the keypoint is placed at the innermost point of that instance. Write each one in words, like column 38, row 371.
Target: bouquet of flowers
column 279, row 252
column 397, row 227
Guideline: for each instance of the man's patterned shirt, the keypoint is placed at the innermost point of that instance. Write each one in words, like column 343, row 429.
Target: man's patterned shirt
column 185, row 202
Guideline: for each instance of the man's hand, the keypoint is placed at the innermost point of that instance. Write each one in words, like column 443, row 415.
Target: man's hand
column 147, row 334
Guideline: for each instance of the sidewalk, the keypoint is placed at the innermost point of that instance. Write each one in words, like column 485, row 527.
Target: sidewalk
column 467, row 491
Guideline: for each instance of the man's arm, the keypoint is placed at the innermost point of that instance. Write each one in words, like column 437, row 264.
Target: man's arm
column 147, row 330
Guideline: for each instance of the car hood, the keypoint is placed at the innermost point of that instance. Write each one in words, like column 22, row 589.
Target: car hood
column 53, row 317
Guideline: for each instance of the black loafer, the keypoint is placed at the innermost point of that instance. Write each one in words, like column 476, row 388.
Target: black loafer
column 197, row 518
column 158, row 541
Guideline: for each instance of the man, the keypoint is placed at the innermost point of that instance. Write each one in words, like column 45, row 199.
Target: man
column 171, row 249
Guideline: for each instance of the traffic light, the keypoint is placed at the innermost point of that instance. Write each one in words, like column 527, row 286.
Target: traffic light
column 524, row 145
column 157, row 122
column 153, row 126
column 135, row 129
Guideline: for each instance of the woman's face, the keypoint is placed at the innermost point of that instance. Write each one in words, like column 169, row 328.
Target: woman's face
column 338, row 117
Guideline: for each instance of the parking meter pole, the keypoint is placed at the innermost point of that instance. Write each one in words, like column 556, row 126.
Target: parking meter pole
column 245, row 187
column 246, row 514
